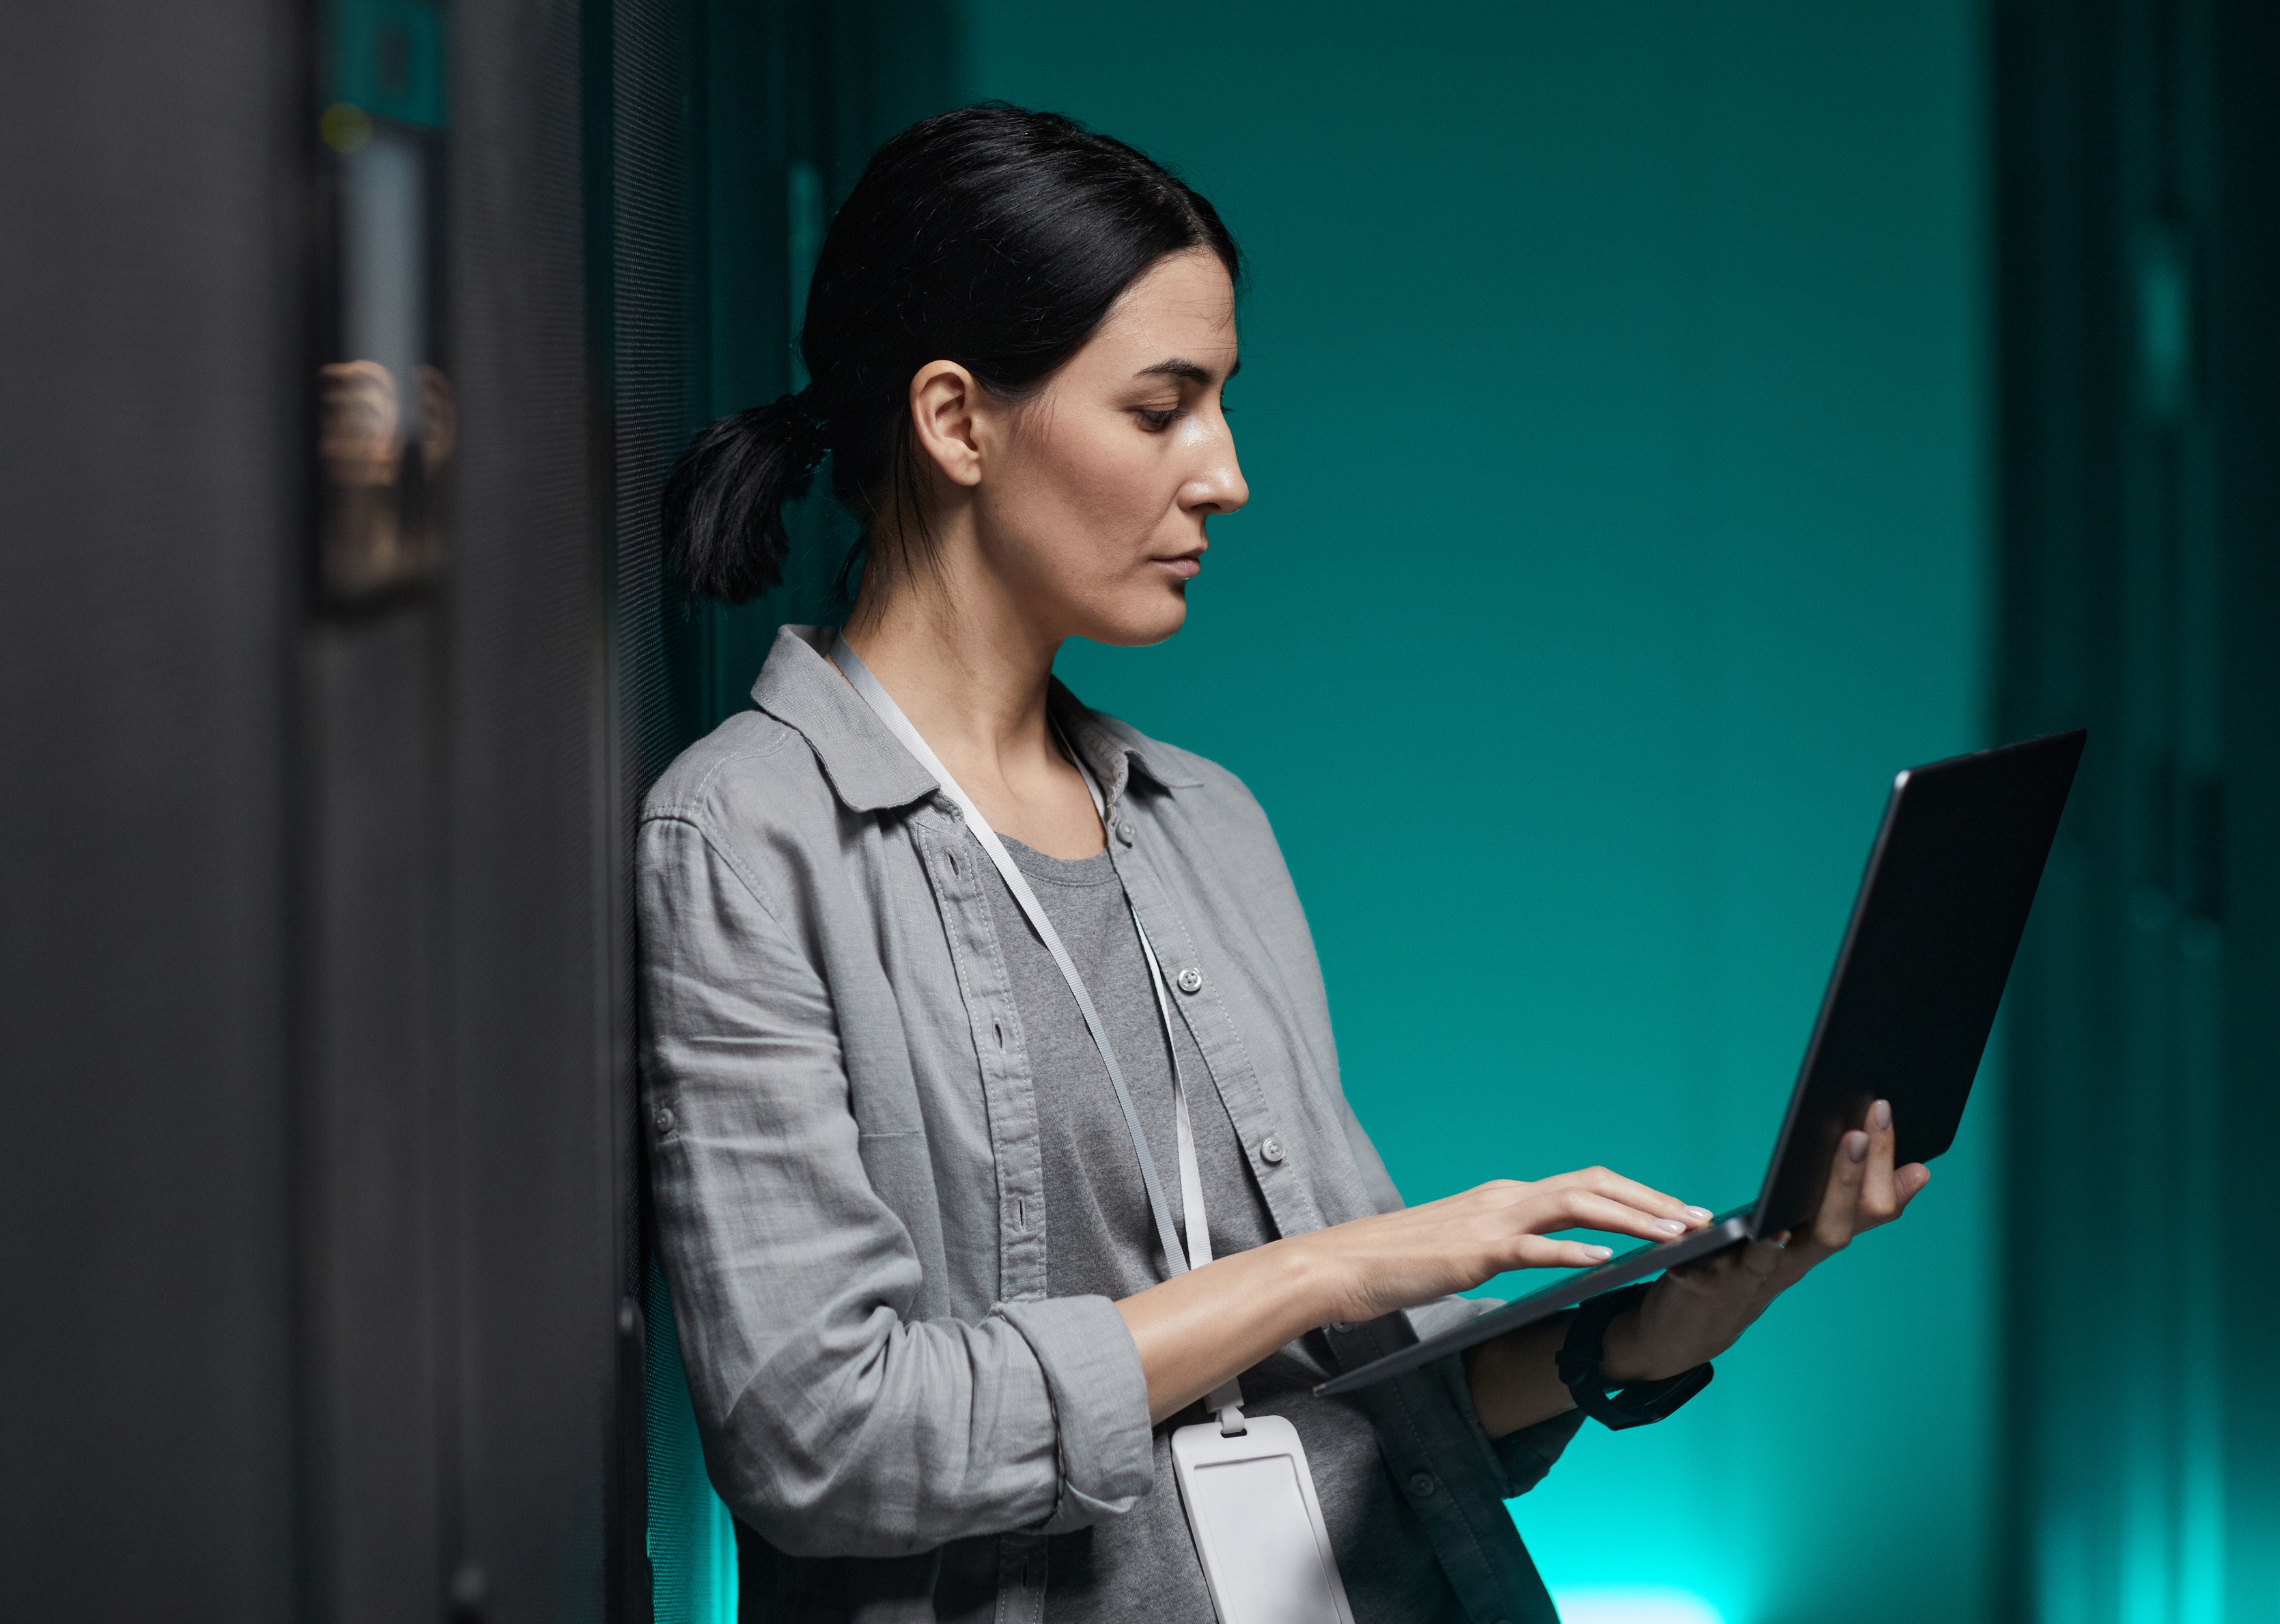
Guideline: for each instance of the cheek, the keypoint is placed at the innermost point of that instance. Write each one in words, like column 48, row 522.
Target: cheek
column 1100, row 482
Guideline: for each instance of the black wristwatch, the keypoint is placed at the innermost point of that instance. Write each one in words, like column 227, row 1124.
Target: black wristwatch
column 1635, row 1405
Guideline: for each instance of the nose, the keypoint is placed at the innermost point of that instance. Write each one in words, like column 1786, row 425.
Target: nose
column 1217, row 485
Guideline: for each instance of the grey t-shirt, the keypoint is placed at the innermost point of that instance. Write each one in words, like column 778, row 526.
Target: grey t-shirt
column 1099, row 1240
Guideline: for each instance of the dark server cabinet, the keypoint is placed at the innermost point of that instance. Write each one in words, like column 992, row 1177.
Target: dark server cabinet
column 316, row 1169
column 2138, row 231
column 150, row 297
column 347, row 347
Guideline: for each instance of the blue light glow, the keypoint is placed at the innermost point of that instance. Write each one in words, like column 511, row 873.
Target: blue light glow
column 1634, row 1605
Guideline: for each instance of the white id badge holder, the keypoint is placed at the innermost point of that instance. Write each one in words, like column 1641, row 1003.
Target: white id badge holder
column 1258, row 1526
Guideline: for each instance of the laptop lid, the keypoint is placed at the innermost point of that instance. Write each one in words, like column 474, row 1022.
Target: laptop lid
column 1911, row 999
column 1909, row 1006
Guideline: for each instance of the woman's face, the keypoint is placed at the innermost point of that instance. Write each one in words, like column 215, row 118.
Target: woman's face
column 1090, row 497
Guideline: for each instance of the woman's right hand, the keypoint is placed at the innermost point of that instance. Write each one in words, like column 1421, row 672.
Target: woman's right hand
column 1195, row 1331
column 1374, row 1266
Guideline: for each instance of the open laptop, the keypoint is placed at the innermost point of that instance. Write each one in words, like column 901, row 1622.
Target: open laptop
column 1918, row 975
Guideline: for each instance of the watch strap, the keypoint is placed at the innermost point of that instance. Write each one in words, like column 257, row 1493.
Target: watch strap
column 1636, row 1405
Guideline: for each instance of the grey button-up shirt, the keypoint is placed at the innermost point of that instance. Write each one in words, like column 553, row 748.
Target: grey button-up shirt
column 845, row 1158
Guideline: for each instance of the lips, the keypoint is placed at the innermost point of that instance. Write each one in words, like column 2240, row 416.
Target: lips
column 1185, row 566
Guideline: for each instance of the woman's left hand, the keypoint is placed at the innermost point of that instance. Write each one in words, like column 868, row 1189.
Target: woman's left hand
column 1694, row 1312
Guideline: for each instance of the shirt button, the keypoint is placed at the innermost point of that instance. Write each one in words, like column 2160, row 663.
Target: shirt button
column 664, row 1120
column 1422, row 1485
column 1191, row 980
column 1124, row 831
column 1270, row 1149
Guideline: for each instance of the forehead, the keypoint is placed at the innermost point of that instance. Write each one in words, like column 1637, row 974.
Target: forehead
column 1182, row 305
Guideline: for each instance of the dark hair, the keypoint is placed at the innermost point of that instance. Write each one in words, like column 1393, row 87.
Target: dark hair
column 990, row 236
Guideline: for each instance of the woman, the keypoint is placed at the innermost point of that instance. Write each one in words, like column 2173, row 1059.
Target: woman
column 977, row 1022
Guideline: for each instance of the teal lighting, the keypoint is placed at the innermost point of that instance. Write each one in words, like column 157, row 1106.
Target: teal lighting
column 391, row 57
column 1635, row 1604
column 692, row 1538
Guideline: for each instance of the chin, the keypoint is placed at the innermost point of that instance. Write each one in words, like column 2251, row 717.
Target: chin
column 1137, row 624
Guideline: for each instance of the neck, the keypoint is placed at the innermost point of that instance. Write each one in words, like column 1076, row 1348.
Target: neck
column 956, row 647
column 967, row 667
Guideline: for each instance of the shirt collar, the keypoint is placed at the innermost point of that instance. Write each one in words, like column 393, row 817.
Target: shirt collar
column 868, row 767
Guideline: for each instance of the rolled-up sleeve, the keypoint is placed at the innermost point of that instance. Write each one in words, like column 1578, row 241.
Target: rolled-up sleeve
column 1100, row 1405
column 833, row 1423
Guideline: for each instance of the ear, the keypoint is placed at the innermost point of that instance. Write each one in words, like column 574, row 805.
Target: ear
column 946, row 403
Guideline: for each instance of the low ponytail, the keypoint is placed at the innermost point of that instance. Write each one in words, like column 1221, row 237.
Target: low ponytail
column 723, row 507
column 989, row 237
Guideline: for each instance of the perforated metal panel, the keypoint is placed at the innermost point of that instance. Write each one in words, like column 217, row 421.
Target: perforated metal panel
column 645, row 186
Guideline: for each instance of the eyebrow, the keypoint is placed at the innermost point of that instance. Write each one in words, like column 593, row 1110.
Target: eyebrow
column 1180, row 367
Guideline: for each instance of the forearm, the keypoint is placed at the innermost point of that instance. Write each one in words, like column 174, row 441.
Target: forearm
column 1514, row 1379
column 1196, row 1331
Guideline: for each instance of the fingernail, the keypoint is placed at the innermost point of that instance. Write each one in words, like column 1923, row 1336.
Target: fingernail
column 1881, row 1114
column 1670, row 1226
column 1701, row 1212
column 1856, row 1146
column 1598, row 1254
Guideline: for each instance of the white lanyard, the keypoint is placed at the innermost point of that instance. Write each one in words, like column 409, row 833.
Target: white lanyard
column 1197, row 1250
column 1243, row 1482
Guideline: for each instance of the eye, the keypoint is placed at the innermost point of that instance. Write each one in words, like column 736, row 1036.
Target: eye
column 1155, row 422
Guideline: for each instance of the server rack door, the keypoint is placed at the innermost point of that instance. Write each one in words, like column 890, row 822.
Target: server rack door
column 721, row 133
column 150, row 492
column 2139, row 351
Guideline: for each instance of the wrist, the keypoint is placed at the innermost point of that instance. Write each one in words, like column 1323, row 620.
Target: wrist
column 1622, row 1358
column 1616, row 1395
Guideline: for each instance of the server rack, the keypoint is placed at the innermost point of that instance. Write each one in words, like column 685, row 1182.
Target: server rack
column 348, row 342
column 2137, row 231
